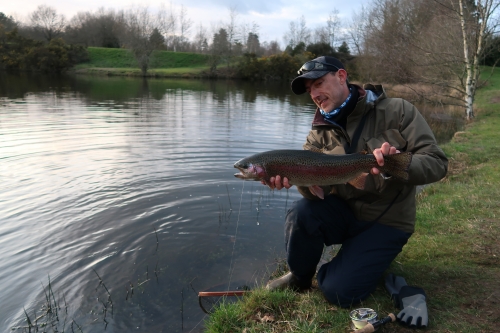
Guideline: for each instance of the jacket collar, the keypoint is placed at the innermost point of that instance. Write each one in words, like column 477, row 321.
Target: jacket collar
column 369, row 96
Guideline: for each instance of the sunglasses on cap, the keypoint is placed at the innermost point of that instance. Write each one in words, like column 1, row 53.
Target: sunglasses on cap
column 314, row 66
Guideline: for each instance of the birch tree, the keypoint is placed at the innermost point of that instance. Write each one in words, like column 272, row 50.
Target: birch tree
column 466, row 27
column 476, row 23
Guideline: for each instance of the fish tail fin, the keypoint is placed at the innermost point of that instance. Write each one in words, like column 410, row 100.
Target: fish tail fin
column 397, row 165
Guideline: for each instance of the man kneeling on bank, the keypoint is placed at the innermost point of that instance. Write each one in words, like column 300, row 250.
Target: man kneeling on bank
column 372, row 224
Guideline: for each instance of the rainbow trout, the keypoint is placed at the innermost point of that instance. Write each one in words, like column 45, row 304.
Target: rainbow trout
column 313, row 169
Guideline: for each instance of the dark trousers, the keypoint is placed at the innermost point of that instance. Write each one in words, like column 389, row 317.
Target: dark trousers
column 368, row 248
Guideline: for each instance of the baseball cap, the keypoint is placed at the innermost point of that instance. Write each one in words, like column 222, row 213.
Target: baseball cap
column 315, row 69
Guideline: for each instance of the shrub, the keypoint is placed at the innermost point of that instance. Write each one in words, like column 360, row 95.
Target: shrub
column 20, row 53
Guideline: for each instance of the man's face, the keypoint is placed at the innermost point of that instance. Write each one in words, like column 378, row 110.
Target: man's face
column 329, row 91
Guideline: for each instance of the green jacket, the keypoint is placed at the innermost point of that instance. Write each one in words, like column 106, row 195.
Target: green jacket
column 392, row 120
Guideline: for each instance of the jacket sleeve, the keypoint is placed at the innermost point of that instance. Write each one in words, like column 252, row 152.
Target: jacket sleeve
column 429, row 163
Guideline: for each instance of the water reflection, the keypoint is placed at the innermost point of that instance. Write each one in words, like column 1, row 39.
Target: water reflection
column 126, row 186
column 134, row 179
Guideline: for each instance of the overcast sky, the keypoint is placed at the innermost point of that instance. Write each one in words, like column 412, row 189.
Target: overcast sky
column 272, row 16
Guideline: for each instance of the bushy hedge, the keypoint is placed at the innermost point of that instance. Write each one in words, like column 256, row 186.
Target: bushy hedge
column 276, row 67
column 283, row 66
column 20, row 53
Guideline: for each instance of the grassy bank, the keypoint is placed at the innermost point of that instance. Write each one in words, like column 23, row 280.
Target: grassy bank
column 454, row 254
column 106, row 61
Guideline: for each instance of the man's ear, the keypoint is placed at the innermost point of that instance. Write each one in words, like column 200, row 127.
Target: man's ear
column 342, row 75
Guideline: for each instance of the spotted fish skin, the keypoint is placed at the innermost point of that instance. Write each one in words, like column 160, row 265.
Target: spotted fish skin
column 307, row 168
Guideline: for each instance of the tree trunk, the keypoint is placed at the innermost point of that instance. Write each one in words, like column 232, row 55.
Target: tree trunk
column 469, row 82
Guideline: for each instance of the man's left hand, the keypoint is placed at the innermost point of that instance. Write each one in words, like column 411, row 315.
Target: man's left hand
column 385, row 149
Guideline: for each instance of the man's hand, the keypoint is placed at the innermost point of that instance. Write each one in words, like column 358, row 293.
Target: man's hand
column 385, row 149
column 276, row 183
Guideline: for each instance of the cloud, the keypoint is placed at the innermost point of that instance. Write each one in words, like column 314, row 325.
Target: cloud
column 273, row 17
column 242, row 7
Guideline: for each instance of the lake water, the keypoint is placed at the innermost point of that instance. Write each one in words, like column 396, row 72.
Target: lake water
column 120, row 193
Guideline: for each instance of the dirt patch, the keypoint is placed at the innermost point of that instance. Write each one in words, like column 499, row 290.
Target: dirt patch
column 495, row 99
column 486, row 309
column 488, row 251
column 457, row 165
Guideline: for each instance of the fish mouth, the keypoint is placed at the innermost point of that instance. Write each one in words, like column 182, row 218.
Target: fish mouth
column 247, row 171
column 240, row 174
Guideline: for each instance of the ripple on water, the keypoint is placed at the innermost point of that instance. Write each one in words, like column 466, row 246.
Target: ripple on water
column 139, row 189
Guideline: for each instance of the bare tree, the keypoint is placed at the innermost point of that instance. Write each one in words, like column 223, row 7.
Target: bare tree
column 405, row 43
column 168, row 22
column 184, row 26
column 201, row 39
column 391, row 39
column 141, row 25
column 270, row 48
column 321, row 35
column 232, row 32
column 47, row 22
column 298, row 33
column 356, row 29
column 94, row 29
column 333, row 25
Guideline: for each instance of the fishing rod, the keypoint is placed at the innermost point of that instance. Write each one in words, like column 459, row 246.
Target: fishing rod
column 202, row 294
column 369, row 328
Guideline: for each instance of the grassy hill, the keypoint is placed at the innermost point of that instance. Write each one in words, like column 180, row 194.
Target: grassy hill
column 122, row 62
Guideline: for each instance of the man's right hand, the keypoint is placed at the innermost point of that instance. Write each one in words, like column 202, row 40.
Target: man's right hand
column 277, row 183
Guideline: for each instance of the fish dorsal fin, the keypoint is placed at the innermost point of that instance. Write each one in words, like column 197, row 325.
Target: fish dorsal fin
column 359, row 181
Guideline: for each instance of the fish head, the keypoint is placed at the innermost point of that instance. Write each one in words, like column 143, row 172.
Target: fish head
column 249, row 170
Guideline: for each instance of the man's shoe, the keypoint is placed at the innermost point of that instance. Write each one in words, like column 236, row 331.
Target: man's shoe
column 288, row 281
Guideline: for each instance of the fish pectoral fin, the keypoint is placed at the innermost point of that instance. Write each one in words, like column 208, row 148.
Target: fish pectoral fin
column 359, row 181
column 317, row 191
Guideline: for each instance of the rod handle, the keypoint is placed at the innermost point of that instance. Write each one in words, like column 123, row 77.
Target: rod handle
column 222, row 293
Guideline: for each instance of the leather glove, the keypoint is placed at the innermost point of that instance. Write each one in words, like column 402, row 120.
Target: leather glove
column 414, row 313
column 410, row 299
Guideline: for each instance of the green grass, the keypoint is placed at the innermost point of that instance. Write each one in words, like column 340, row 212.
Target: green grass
column 454, row 253
column 122, row 62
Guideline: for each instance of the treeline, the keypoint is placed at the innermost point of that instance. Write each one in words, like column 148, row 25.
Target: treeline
column 437, row 53
column 438, row 43
column 23, row 53
column 284, row 66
